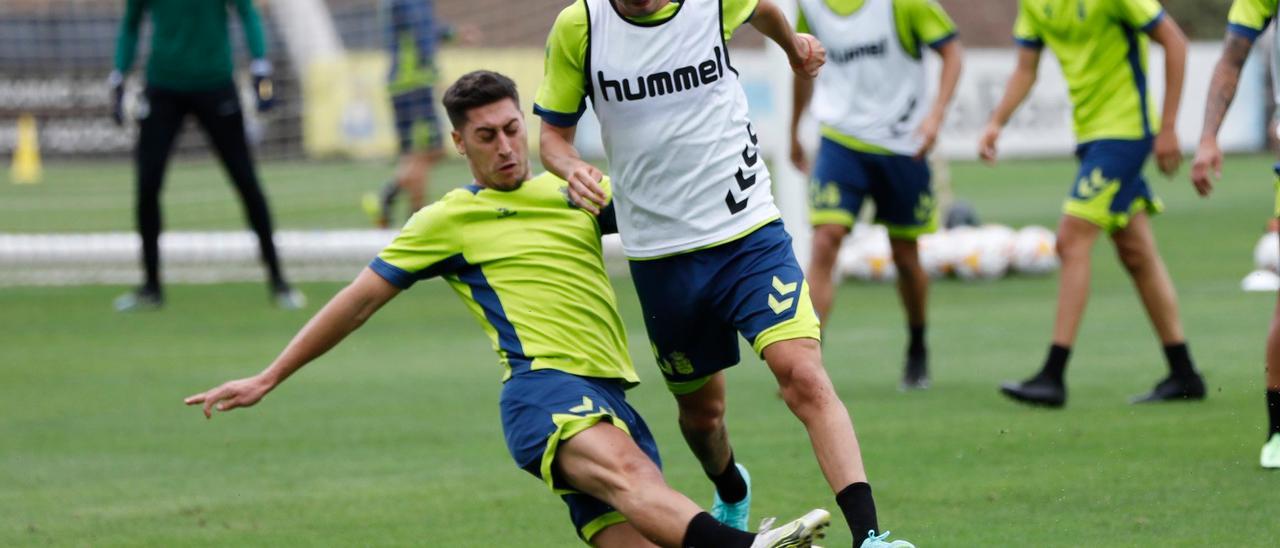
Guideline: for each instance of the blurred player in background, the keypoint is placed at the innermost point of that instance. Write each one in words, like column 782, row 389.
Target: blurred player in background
column 513, row 247
column 189, row 72
column 708, row 252
column 412, row 37
column 1246, row 21
column 877, row 132
column 1102, row 47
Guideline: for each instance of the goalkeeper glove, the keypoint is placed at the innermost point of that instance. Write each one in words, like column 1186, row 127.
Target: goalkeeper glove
column 263, row 88
column 116, row 82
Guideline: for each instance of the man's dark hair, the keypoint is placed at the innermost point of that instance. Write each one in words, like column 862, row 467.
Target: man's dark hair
column 477, row 89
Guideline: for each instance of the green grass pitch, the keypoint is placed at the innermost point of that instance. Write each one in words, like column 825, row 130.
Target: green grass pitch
column 393, row 438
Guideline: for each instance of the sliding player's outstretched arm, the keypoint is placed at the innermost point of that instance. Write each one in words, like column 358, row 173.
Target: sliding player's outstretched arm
column 1222, row 91
column 804, row 52
column 345, row 313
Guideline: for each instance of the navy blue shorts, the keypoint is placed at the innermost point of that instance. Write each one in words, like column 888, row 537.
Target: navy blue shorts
column 696, row 303
column 416, row 121
column 544, row 407
column 899, row 185
column 1110, row 188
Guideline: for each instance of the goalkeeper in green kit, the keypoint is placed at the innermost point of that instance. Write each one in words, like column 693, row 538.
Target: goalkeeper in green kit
column 189, row 72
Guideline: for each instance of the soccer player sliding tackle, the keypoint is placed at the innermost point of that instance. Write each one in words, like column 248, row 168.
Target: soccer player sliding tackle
column 1246, row 21
column 1102, row 47
column 709, row 256
column 512, row 246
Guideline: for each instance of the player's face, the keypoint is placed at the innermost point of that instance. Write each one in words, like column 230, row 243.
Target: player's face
column 640, row 8
column 495, row 144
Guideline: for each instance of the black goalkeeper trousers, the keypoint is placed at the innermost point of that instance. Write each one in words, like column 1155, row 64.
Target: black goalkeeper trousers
column 218, row 113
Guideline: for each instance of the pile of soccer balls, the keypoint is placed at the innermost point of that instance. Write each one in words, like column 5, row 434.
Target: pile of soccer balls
column 970, row 253
column 1266, row 261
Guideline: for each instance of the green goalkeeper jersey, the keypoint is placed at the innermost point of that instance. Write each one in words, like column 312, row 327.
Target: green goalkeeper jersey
column 190, row 42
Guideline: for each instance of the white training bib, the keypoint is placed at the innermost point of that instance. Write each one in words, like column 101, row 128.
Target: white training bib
column 871, row 88
column 683, row 157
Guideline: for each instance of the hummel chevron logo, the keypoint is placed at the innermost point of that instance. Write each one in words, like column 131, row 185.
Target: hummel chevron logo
column 754, row 139
column 734, row 206
column 750, row 159
column 783, row 290
column 586, row 406
column 743, row 181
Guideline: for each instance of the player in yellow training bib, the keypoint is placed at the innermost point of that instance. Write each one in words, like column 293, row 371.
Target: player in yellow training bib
column 1246, row 21
column 1102, row 47
column 529, row 266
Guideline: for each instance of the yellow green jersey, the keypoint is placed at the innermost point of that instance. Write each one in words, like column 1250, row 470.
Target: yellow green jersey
column 529, row 266
column 561, row 98
column 916, row 23
column 1102, row 47
column 1248, row 18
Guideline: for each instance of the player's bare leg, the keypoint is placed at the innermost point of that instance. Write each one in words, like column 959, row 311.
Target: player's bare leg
column 1075, row 245
column 413, row 176
column 822, row 266
column 1271, row 451
column 1136, row 247
column 913, row 289
column 605, row 463
column 809, row 393
column 702, row 424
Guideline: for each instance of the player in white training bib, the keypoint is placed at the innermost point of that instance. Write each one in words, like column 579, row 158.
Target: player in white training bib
column 878, row 126
column 709, row 256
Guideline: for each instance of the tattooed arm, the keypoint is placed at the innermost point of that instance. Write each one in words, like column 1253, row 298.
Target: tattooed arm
column 1222, row 90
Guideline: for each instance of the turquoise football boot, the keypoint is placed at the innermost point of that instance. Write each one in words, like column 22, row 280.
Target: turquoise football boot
column 881, row 541
column 738, row 514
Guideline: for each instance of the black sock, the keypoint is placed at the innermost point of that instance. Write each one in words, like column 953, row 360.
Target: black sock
column 730, row 484
column 859, row 510
column 705, row 532
column 1179, row 360
column 1055, row 364
column 1273, row 411
column 915, row 342
column 387, row 197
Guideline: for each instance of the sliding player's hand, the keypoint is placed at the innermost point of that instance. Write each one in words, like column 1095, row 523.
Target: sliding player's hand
column 1207, row 167
column 1168, row 153
column 928, row 135
column 585, row 190
column 116, row 82
column 809, row 56
column 987, row 144
column 238, row 393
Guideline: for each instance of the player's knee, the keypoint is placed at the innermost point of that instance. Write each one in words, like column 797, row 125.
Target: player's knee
column 826, row 242
column 631, row 472
column 1134, row 259
column 1069, row 249
column 906, row 256
column 806, row 388
column 702, row 417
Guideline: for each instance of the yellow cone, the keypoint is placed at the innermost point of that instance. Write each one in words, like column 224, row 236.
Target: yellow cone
column 26, row 155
